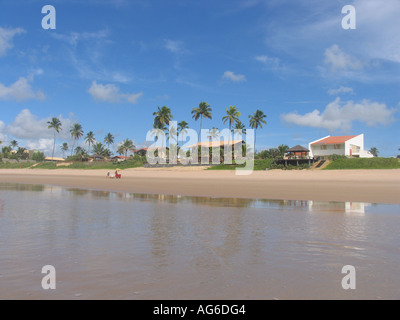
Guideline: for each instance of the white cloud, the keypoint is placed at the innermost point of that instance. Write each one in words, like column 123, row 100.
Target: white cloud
column 111, row 93
column 29, row 126
column 44, row 145
column 341, row 89
column 6, row 37
column 32, row 132
column 229, row 75
column 272, row 62
column 20, row 90
column 174, row 46
column 340, row 115
column 338, row 60
column 3, row 137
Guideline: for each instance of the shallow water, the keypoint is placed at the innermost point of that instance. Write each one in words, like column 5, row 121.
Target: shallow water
column 107, row 245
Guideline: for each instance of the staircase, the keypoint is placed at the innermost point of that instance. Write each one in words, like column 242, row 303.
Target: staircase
column 320, row 164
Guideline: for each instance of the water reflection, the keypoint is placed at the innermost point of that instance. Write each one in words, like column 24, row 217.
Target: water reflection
column 112, row 244
column 353, row 208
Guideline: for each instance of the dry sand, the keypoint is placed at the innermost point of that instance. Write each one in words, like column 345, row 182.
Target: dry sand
column 376, row 186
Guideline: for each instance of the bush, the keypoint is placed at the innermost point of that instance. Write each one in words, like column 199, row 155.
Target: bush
column 335, row 157
column 38, row 156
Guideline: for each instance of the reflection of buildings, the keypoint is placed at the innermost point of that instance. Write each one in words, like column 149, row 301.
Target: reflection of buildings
column 357, row 208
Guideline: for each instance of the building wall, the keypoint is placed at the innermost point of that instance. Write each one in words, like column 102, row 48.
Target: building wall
column 356, row 145
column 317, row 150
column 356, row 141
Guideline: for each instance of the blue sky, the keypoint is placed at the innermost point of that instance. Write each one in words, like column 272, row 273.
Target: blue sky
column 109, row 64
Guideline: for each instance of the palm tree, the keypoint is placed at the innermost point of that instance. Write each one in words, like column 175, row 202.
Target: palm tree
column 232, row 116
column 126, row 146
column 162, row 116
column 21, row 152
column 55, row 124
column 90, row 139
column 159, row 130
column 239, row 128
column 109, row 139
column 213, row 133
column 64, row 148
column 99, row 149
column 182, row 126
column 76, row 133
column 283, row 148
column 13, row 144
column 203, row 111
column 257, row 120
column 79, row 150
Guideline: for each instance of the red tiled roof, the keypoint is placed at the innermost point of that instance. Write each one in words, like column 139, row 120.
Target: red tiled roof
column 334, row 140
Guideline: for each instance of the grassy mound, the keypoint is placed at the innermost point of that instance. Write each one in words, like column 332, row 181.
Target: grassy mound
column 364, row 163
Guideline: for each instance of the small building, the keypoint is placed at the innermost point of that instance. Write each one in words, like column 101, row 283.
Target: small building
column 216, row 144
column 119, row 158
column 351, row 146
column 54, row 159
column 97, row 157
column 298, row 152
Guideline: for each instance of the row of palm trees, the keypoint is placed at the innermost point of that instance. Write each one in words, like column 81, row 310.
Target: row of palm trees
column 76, row 133
column 163, row 116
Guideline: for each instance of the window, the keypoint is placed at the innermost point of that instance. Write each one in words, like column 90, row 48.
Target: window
column 337, row 146
column 323, row 147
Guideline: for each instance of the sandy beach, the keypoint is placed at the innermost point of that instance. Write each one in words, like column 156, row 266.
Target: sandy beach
column 375, row 186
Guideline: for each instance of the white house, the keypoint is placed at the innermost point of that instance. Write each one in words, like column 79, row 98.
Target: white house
column 341, row 145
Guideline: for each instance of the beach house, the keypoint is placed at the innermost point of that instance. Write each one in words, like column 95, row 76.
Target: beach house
column 351, row 146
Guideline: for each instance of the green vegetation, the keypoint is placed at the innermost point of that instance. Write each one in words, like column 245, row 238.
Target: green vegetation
column 364, row 163
column 17, row 165
column 38, row 156
column 134, row 163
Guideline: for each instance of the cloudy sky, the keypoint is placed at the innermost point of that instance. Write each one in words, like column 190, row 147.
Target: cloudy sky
column 109, row 64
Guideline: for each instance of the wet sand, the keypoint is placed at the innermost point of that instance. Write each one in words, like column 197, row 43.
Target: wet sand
column 374, row 186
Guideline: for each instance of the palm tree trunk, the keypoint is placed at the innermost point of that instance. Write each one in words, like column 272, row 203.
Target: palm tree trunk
column 73, row 145
column 54, row 145
column 255, row 137
column 201, row 121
